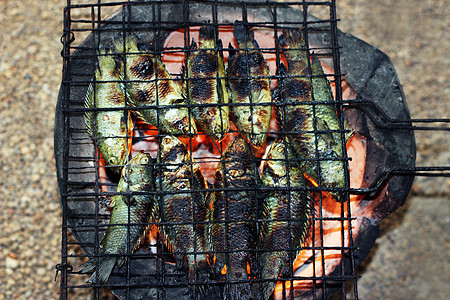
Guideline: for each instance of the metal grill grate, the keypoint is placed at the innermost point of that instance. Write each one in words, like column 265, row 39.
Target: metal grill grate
column 367, row 95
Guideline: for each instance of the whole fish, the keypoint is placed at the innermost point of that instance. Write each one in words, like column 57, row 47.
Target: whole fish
column 183, row 205
column 249, row 83
column 285, row 214
column 132, row 214
column 234, row 215
column 113, row 129
column 206, row 84
column 148, row 83
column 302, row 122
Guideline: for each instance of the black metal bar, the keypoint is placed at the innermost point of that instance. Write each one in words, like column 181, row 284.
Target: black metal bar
column 66, row 39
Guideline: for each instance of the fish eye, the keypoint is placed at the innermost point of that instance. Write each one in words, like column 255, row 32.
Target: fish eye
column 113, row 160
column 178, row 101
column 256, row 59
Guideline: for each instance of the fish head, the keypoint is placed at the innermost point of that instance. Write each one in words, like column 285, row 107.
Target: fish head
column 137, row 173
column 177, row 120
column 172, row 150
column 238, row 149
column 116, row 152
column 141, row 169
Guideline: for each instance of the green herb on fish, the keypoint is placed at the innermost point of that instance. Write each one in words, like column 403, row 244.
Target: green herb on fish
column 234, row 215
column 184, row 206
column 131, row 213
column 150, row 84
column 249, row 83
column 112, row 129
column 285, row 214
column 206, row 84
column 302, row 122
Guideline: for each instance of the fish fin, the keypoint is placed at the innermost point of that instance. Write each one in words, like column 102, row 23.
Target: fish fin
column 321, row 82
column 219, row 45
column 182, row 82
column 121, row 260
column 193, row 46
column 108, row 201
column 89, row 116
column 328, row 136
column 282, row 71
column 105, row 268
column 183, row 72
column 231, row 51
column 255, row 45
column 276, row 98
column 349, row 133
column 316, row 65
column 87, row 266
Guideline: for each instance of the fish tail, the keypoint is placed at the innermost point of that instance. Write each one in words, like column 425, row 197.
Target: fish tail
column 263, row 290
column 292, row 39
column 295, row 48
column 238, row 291
column 203, row 274
column 243, row 34
column 102, row 274
column 206, row 32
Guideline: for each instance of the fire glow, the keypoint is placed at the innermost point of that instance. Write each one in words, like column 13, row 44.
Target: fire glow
column 328, row 213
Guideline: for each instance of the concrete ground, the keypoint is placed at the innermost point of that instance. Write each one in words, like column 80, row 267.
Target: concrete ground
column 411, row 257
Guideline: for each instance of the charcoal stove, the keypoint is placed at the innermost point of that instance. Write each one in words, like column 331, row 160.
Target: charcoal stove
column 380, row 155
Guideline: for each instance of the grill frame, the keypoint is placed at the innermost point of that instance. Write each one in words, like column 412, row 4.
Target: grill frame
column 64, row 115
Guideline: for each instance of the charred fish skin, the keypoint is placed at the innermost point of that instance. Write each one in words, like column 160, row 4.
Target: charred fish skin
column 149, row 83
column 182, row 207
column 113, row 129
column 134, row 210
column 249, row 83
column 285, row 214
column 302, row 121
column 207, row 84
column 234, row 215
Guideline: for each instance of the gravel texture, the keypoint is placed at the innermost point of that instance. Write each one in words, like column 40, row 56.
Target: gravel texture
column 410, row 259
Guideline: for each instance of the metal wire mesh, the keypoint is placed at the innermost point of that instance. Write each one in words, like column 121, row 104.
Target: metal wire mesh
column 86, row 182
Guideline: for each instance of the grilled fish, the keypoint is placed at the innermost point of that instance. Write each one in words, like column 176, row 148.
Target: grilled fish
column 234, row 215
column 113, row 129
column 132, row 214
column 179, row 175
column 150, row 84
column 249, row 83
column 286, row 215
column 303, row 121
column 207, row 84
